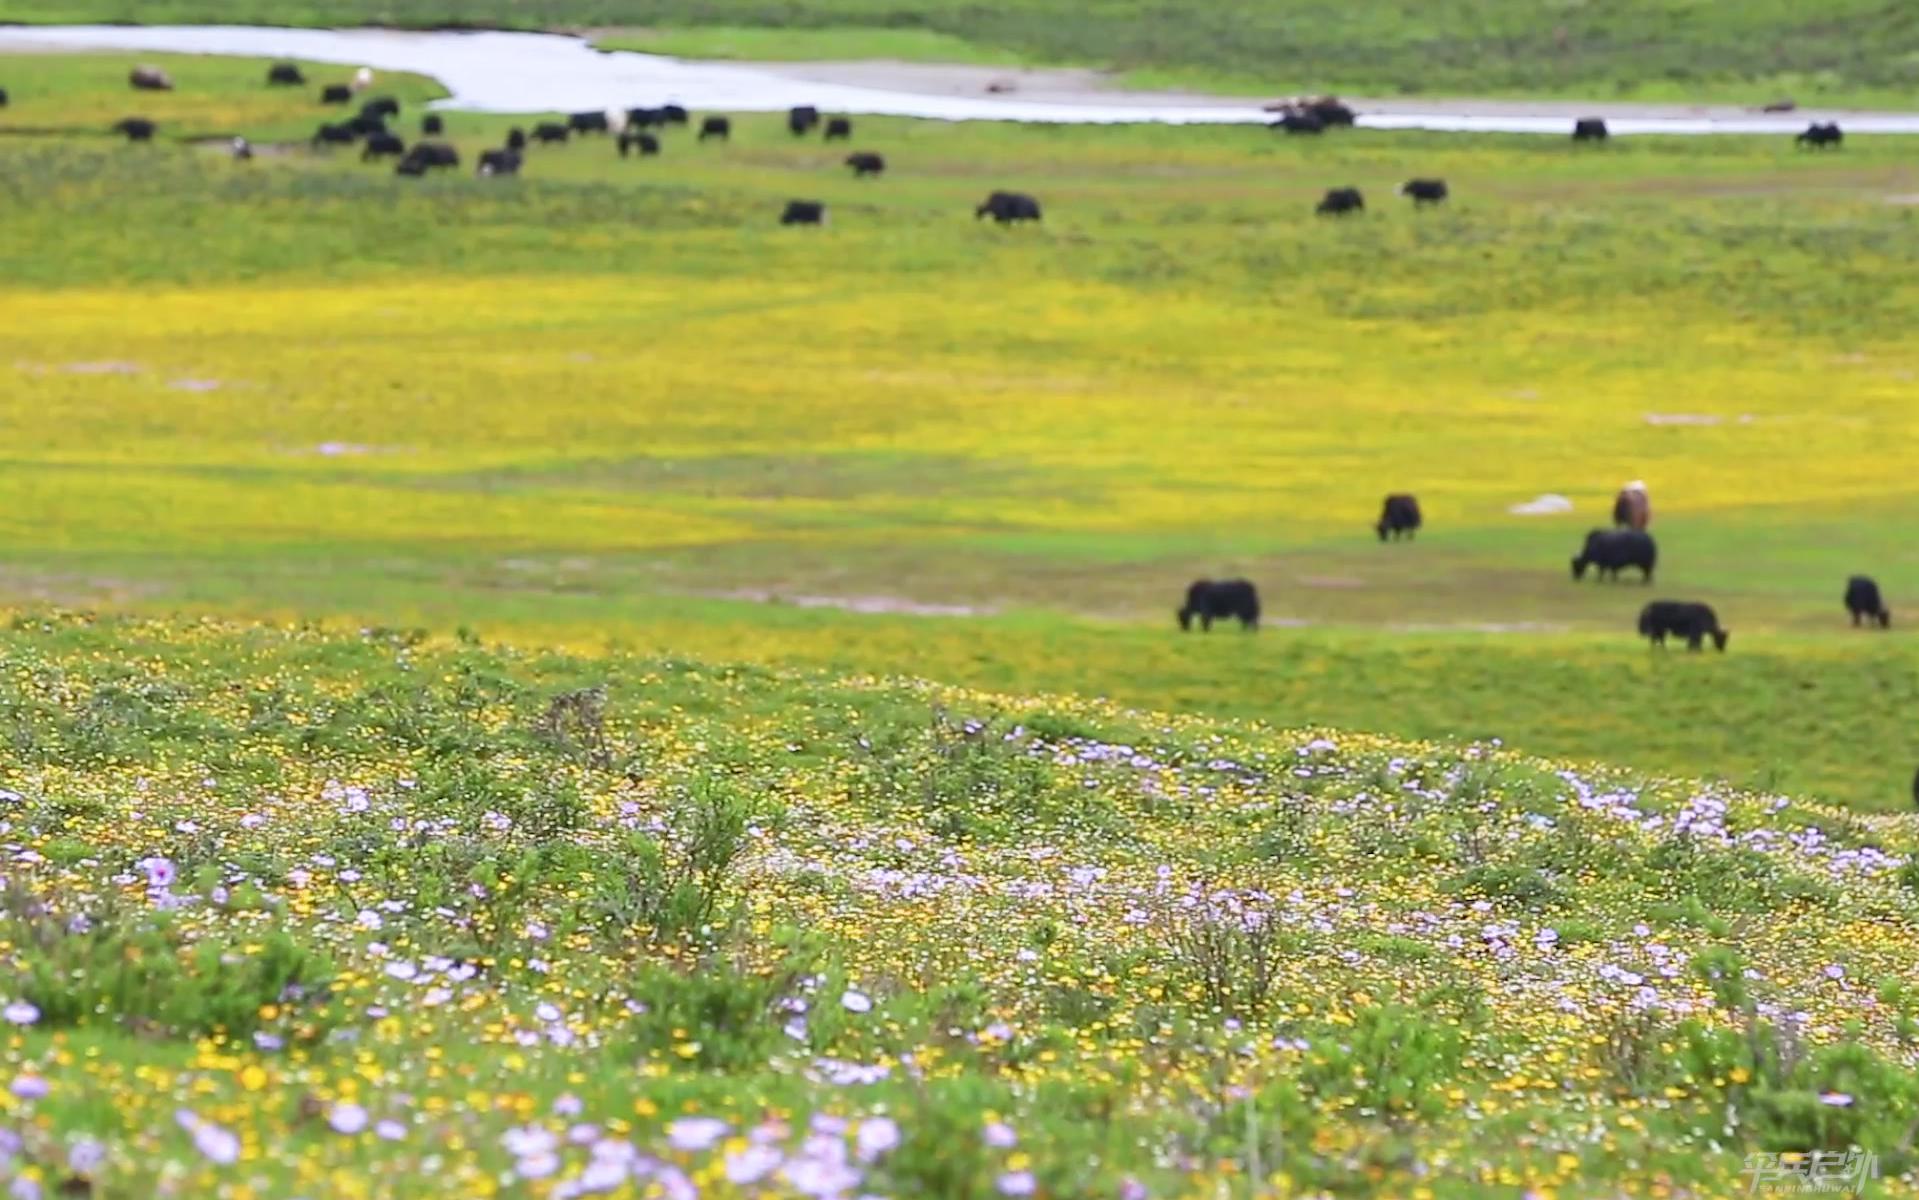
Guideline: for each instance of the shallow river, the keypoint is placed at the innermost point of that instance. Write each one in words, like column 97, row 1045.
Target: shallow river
column 528, row 72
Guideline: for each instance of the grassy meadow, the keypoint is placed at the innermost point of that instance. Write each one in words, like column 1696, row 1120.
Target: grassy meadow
column 467, row 731
column 615, row 402
column 1859, row 52
column 290, row 912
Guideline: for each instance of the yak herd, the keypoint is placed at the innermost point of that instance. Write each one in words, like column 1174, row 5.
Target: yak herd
column 634, row 132
column 1317, row 115
column 1628, row 546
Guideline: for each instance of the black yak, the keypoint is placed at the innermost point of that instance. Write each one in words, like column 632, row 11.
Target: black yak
column 1400, row 516
column 1209, row 601
column 1694, row 622
column 1613, row 550
column 382, row 145
column 1008, row 207
column 499, row 162
column 803, row 212
column 1864, row 602
column 342, row 134
column 1818, row 136
column 634, row 139
column 1337, row 202
column 1424, row 191
column 426, row 156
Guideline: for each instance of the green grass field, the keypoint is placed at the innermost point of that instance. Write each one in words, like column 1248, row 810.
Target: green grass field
column 600, row 694
column 297, row 913
column 615, row 401
column 1860, row 52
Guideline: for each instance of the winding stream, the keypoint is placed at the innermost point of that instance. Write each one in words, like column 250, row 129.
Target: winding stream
column 531, row 72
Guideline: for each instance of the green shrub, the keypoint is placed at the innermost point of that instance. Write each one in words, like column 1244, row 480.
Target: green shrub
column 141, row 969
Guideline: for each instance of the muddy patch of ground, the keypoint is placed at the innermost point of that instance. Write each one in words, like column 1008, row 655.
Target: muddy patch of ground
column 1330, row 581
column 1482, row 627
column 871, row 605
column 70, row 589
column 102, row 367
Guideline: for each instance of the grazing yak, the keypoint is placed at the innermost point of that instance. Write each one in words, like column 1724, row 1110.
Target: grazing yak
column 865, row 163
column 1210, row 601
column 367, row 124
column 1400, row 516
column 336, row 93
column 1424, row 191
column 382, row 145
column 136, row 129
column 516, row 139
column 839, row 128
column 150, row 79
column 588, row 122
column 645, row 118
column 1676, row 618
column 241, row 150
column 426, row 156
column 381, row 106
column 1294, row 122
column 1337, row 202
column 716, row 127
column 432, row 125
column 801, row 119
column 1819, row 137
column 499, row 162
column 1008, row 207
column 1632, row 507
column 1613, row 550
column 3, row 97
column 1312, row 114
column 285, row 75
column 674, row 114
column 1590, row 129
column 1329, row 110
column 1864, row 602
column 342, row 134
column 633, row 139
column 803, row 212
column 548, row 132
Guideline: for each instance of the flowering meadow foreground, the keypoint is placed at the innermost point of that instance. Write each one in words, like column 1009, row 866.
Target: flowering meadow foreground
column 290, row 912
